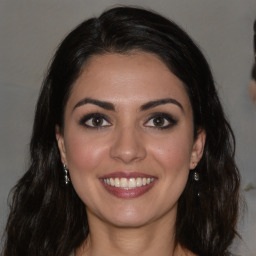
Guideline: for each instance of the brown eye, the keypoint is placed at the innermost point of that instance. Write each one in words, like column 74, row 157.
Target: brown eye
column 161, row 121
column 95, row 121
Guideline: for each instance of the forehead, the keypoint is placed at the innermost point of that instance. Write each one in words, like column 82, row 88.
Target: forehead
column 126, row 78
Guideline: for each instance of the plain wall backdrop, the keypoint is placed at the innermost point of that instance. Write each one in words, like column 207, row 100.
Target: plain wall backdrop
column 31, row 30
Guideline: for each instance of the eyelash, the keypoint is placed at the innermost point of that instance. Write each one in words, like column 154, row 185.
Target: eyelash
column 166, row 118
column 94, row 116
column 171, row 121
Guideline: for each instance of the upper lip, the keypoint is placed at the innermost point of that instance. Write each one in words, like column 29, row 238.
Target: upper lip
column 126, row 175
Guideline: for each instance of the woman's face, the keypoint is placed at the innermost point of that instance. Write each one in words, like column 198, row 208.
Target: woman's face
column 128, row 139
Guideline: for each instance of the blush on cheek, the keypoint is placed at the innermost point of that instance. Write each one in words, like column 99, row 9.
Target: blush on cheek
column 175, row 154
column 83, row 155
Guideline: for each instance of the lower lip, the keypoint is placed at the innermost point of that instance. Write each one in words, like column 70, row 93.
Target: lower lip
column 128, row 193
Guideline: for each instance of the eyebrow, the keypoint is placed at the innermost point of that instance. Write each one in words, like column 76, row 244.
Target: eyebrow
column 156, row 103
column 110, row 106
column 103, row 104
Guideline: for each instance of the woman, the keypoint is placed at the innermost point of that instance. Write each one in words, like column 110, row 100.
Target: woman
column 131, row 153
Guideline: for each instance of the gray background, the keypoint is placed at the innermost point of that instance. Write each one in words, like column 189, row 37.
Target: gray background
column 31, row 30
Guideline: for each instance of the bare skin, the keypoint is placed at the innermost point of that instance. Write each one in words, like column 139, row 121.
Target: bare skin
column 130, row 242
column 128, row 115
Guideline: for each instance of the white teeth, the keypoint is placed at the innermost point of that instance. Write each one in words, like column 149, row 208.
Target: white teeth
column 117, row 183
column 139, row 182
column 128, row 183
column 132, row 183
column 124, row 183
column 112, row 182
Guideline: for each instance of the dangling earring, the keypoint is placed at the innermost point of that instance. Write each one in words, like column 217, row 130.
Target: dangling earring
column 67, row 180
column 195, row 173
column 196, row 176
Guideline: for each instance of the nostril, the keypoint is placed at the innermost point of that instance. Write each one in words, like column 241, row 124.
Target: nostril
column 127, row 147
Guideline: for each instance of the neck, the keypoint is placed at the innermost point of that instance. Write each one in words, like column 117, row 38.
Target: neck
column 156, row 238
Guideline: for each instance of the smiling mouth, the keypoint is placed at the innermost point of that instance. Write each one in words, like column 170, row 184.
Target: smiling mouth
column 128, row 183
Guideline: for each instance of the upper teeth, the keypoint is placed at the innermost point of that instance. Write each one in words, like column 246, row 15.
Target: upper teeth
column 128, row 183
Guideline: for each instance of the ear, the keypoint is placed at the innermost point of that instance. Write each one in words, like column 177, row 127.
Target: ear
column 198, row 149
column 61, row 144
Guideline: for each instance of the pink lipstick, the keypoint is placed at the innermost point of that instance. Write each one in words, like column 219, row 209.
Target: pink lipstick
column 127, row 184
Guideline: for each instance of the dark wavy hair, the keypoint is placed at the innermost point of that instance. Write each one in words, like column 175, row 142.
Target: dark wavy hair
column 47, row 218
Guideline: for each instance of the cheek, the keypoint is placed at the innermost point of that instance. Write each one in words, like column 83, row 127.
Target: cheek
column 172, row 155
column 173, row 152
column 83, row 154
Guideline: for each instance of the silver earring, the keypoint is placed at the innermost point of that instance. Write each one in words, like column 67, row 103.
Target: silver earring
column 67, row 180
column 196, row 176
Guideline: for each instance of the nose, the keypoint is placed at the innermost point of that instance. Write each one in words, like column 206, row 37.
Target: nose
column 128, row 146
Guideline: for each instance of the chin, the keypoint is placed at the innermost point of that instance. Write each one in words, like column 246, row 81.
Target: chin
column 125, row 216
column 130, row 218
column 128, row 223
